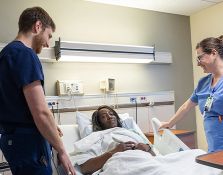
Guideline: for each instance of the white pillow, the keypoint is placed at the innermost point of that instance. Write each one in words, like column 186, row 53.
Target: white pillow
column 85, row 124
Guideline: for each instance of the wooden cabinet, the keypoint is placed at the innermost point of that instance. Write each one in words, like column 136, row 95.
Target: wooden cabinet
column 186, row 136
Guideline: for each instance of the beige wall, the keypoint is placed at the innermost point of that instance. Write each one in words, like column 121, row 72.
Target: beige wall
column 87, row 21
column 204, row 24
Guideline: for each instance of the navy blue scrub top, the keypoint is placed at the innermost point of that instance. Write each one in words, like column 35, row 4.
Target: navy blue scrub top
column 19, row 66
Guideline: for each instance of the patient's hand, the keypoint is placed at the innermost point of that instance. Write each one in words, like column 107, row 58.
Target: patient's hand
column 145, row 147
column 142, row 146
column 124, row 146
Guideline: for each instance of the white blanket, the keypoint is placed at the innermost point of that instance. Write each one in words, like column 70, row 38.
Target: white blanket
column 100, row 142
column 136, row 162
column 105, row 138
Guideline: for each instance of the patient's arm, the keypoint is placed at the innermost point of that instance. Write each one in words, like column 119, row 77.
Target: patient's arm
column 97, row 163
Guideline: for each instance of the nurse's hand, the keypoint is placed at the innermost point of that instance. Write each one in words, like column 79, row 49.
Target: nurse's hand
column 165, row 125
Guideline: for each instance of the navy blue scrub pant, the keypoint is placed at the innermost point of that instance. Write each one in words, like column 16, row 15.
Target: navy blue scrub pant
column 27, row 152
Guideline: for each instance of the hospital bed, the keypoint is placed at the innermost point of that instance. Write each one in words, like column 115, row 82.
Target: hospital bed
column 163, row 144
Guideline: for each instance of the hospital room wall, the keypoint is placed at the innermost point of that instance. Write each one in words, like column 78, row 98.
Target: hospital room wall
column 79, row 20
column 206, row 23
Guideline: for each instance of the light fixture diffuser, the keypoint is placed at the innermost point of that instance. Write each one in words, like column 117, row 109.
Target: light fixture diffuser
column 96, row 52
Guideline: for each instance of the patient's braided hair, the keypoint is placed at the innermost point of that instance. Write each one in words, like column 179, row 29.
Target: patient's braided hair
column 95, row 118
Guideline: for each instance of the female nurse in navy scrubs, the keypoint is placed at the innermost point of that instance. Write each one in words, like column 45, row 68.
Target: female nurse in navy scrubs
column 208, row 93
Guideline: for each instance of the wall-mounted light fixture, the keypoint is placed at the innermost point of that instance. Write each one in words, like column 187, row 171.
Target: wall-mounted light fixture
column 49, row 55
column 95, row 52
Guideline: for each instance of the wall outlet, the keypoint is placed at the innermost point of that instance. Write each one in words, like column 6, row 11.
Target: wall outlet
column 143, row 99
column 52, row 104
column 133, row 99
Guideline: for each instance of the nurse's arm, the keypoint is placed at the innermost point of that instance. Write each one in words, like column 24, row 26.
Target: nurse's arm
column 44, row 121
column 181, row 113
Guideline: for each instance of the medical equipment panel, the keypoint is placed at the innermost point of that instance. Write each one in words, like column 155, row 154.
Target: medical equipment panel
column 69, row 87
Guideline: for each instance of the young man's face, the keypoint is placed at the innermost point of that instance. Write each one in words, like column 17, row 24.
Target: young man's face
column 42, row 39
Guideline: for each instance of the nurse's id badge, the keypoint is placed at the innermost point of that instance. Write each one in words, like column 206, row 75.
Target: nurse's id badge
column 208, row 103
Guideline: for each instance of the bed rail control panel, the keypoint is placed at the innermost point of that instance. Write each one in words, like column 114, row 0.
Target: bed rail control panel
column 69, row 87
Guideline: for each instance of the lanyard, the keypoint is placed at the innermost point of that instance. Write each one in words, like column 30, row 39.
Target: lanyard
column 208, row 104
column 210, row 99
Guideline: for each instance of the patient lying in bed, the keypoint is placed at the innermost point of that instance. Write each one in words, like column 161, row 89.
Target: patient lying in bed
column 115, row 150
column 105, row 118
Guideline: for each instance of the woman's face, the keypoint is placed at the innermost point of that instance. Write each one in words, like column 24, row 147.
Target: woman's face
column 206, row 61
column 107, row 118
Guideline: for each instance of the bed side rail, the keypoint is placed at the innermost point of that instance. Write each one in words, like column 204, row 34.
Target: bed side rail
column 167, row 142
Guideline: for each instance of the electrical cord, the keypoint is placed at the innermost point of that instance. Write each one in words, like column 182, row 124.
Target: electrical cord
column 52, row 108
column 74, row 103
column 116, row 100
column 52, row 154
column 136, row 106
column 58, row 113
column 54, row 164
column 104, row 97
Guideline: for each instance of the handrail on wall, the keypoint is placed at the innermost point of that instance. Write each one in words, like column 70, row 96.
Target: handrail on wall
column 91, row 108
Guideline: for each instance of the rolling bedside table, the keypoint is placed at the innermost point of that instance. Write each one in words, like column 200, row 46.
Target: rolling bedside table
column 186, row 136
column 214, row 159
